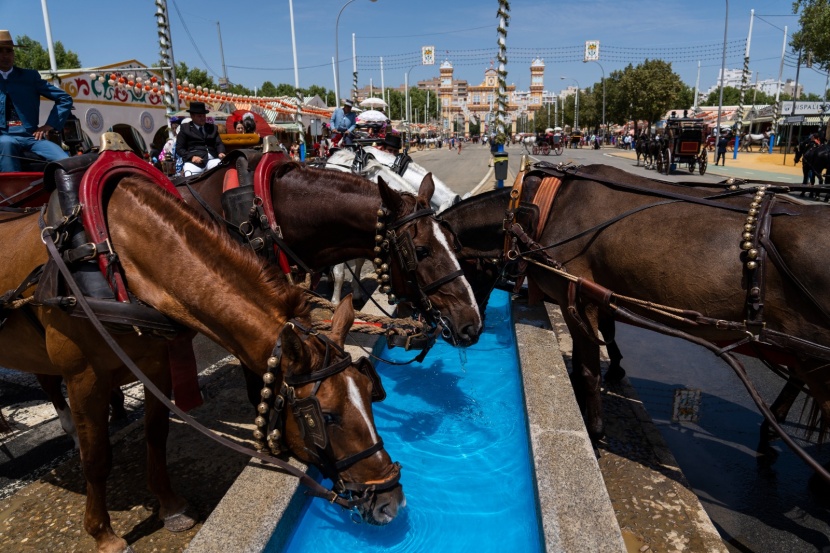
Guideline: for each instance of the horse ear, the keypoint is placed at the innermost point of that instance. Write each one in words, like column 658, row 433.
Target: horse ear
column 427, row 189
column 390, row 198
column 341, row 321
column 294, row 356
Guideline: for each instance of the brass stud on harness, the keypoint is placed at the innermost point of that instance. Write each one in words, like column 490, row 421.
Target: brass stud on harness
column 273, row 362
column 752, row 254
column 266, row 393
column 260, row 421
column 269, row 378
column 262, row 408
column 751, row 265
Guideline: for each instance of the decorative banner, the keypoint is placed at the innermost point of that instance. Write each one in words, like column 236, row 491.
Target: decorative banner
column 591, row 50
column 428, row 55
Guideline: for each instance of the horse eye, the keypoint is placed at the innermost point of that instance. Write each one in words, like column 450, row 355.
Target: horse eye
column 421, row 252
column 330, row 418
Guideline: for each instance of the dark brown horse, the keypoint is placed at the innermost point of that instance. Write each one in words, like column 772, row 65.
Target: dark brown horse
column 329, row 217
column 675, row 253
column 190, row 271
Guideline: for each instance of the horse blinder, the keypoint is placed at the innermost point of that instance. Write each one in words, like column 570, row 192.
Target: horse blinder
column 308, row 413
column 365, row 366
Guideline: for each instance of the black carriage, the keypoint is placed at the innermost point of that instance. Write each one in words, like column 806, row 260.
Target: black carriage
column 685, row 144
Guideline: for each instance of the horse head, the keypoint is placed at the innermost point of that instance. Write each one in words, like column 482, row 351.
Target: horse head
column 330, row 424
column 423, row 254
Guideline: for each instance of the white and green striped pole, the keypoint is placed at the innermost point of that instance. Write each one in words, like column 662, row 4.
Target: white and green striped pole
column 501, row 102
column 744, row 80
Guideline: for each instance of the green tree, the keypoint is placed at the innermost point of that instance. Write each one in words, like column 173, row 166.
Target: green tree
column 32, row 55
column 652, row 88
column 195, row 76
column 267, row 89
column 814, row 35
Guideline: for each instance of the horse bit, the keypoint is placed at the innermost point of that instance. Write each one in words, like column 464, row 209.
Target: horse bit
column 408, row 255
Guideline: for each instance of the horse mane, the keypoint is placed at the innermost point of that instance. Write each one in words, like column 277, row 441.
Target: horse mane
column 343, row 180
column 246, row 264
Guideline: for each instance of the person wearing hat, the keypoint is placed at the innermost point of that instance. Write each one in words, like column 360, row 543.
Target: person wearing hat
column 198, row 142
column 344, row 121
column 20, row 93
column 391, row 143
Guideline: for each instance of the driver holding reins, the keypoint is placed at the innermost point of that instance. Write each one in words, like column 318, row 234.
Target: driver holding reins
column 344, row 121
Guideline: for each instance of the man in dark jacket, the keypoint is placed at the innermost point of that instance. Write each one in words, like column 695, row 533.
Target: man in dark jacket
column 198, row 142
column 723, row 142
column 20, row 93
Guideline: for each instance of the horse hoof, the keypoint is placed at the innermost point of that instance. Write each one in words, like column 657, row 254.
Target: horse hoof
column 180, row 522
column 614, row 375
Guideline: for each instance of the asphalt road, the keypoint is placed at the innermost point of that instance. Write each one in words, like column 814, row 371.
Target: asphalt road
column 757, row 507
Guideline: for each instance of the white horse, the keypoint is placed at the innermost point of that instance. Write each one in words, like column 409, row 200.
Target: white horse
column 380, row 165
column 748, row 140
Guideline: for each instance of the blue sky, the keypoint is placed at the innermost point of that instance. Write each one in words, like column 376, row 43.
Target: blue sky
column 256, row 37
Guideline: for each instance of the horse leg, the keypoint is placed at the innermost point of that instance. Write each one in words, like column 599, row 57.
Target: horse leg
column 586, row 375
column 357, row 289
column 88, row 396
column 779, row 408
column 51, row 385
column 117, row 410
column 607, row 327
column 339, row 273
column 173, row 510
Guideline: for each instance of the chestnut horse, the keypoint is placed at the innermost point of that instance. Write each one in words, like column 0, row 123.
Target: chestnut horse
column 670, row 252
column 330, row 217
column 192, row 272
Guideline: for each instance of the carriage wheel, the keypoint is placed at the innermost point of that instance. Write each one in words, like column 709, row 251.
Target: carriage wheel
column 702, row 162
column 657, row 163
column 545, row 149
column 667, row 162
column 558, row 150
column 692, row 166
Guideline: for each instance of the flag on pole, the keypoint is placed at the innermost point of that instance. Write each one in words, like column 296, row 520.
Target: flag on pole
column 591, row 50
column 427, row 55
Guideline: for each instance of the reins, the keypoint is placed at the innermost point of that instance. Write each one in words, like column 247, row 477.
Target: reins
column 315, row 489
column 755, row 247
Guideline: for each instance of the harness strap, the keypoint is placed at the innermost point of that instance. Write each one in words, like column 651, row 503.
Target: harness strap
column 441, row 281
column 315, row 488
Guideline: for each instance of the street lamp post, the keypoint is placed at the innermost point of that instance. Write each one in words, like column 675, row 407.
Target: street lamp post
column 576, row 103
column 603, row 96
column 722, row 67
column 337, row 53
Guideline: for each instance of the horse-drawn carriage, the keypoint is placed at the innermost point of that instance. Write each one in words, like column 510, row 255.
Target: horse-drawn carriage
column 684, row 138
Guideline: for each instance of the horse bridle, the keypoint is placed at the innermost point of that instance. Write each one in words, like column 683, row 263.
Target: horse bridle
column 312, row 422
column 340, row 496
column 389, row 241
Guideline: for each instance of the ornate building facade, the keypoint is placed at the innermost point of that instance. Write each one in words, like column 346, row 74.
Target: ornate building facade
column 475, row 102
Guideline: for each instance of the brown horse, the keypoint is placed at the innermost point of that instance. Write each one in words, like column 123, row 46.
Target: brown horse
column 670, row 252
column 329, row 217
column 191, row 271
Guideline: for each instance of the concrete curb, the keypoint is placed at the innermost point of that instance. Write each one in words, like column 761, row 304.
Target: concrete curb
column 574, row 505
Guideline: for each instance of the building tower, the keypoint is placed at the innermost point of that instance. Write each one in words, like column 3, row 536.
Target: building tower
column 537, row 83
column 445, row 92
